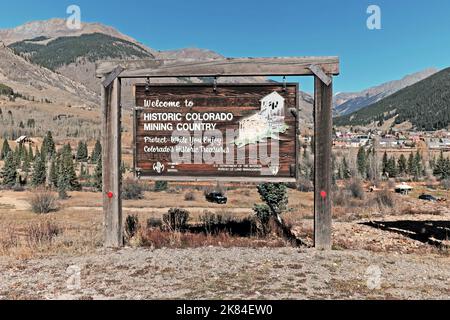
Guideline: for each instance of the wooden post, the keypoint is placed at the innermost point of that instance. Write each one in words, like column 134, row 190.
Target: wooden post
column 323, row 127
column 111, row 157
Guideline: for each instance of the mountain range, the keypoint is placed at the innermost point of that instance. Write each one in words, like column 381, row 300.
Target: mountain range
column 45, row 60
column 347, row 103
column 425, row 105
column 73, row 53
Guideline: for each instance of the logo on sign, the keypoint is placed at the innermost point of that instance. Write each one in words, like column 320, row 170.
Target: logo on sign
column 275, row 170
column 158, row 167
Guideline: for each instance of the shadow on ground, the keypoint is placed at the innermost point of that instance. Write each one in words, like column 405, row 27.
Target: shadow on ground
column 430, row 232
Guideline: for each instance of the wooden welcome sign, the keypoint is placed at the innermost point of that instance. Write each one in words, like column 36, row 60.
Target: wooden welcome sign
column 195, row 132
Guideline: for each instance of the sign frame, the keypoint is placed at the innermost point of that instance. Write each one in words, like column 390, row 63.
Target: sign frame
column 226, row 179
column 112, row 72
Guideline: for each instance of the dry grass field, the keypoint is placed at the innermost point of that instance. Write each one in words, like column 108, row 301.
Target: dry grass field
column 37, row 266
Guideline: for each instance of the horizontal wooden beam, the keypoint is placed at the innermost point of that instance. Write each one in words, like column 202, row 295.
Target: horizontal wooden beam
column 231, row 67
column 103, row 68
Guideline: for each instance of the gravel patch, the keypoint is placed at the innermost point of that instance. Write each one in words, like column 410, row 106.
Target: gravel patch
column 236, row 273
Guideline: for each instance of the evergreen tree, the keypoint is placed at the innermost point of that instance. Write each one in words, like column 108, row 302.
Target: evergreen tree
column 67, row 169
column 410, row 170
column 39, row 172
column 82, row 152
column 362, row 162
column 63, row 186
column 442, row 167
column 345, row 169
column 26, row 166
column 123, row 169
column 20, row 153
column 402, row 165
column 5, row 150
column 417, row 167
column 98, row 181
column 392, row 167
column 384, row 164
column 24, row 154
column 48, row 148
column 37, row 154
column 335, row 175
column 97, row 152
column 432, row 163
column 30, row 153
column 9, row 171
column 54, row 173
column 16, row 156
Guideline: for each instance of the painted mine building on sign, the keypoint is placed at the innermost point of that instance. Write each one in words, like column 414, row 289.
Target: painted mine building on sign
column 270, row 119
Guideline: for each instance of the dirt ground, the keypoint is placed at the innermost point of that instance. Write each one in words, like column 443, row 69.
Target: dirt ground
column 395, row 253
column 237, row 273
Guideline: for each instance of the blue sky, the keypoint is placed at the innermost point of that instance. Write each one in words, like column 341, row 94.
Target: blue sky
column 415, row 34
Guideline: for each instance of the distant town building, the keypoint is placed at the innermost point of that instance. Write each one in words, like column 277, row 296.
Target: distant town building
column 24, row 139
column 403, row 189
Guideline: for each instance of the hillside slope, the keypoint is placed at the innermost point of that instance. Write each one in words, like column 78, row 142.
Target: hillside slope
column 347, row 103
column 40, row 83
column 425, row 104
column 54, row 53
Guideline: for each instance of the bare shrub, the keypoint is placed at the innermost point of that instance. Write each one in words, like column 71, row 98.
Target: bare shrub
column 385, row 198
column 9, row 239
column 132, row 190
column 445, row 184
column 174, row 190
column 391, row 184
column 158, row 239
column 131, row 226
column 209, row 220
column 154, row 223
column 190, row 196
column 305, row 185
column 176, row 219
column 18, row 188
column 43, row 201
column 420, row 211
column 340, row 198
column 356, row 188
column 42, row 233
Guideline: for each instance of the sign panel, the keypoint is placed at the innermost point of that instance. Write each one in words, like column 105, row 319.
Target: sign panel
column 244, row 132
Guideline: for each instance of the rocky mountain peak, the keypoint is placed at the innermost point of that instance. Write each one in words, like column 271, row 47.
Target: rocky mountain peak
column 56, row 27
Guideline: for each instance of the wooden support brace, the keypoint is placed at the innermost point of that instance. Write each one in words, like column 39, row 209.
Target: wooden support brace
column 112, row 76
column 320, row 73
